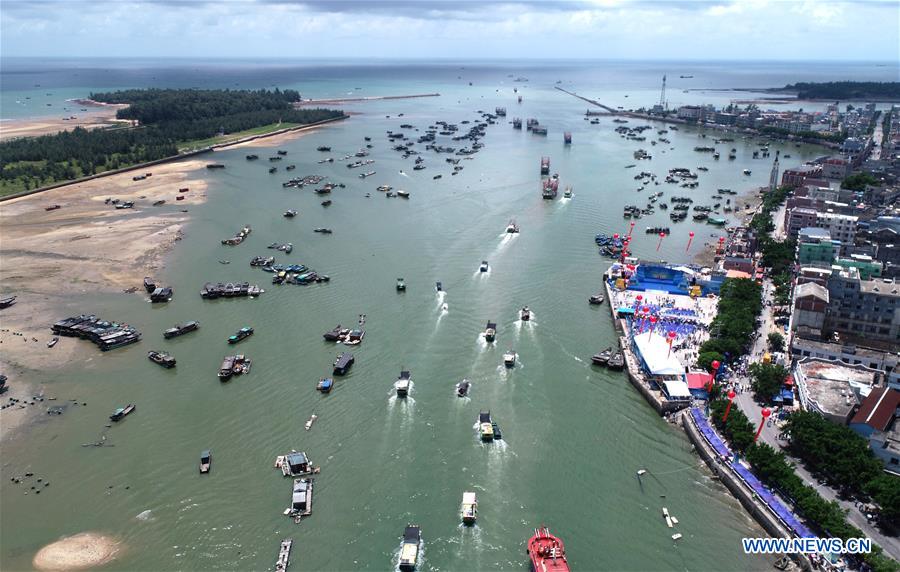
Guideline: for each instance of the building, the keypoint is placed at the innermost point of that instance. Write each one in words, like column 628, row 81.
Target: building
column 831, row 388
column 864, row 309
column 799, row 218
column 690, row 112
column 815, row 274
column 886, row 362
column 868, row 267
column 815, row 246
column 840, row 226
column 876, row 422
column 798, row 176
column 836, row 168
column 810, row 307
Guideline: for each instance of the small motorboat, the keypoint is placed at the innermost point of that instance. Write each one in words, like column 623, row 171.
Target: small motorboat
column 122, row 412
column 525, row 314
column 509, row 358
column 469, row 509
column 205, row 461
column 438, row 287
column 53, row 341
column 241, row 334
column 462, row 388
column 596, row 299
column 323, row 230
column 325, row 385
column 485, row 426
column 568, row 193
column 403, row 194
column 617, row 361
column 490, row 332
column 326, row 203
column 512, row 227
column 161, row 358
column 484, row 266
column 7, row 302
column 409, row 551
column 401, row 285
column 290, row 213
column 402, row 385
column 309, row 422
column 602, row 357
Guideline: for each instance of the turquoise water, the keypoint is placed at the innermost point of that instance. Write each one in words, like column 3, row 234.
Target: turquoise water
column 574, row 435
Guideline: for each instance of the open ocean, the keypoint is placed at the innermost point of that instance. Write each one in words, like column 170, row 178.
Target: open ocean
column 574, row 435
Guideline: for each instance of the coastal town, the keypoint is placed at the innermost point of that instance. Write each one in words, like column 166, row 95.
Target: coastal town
column 621, row 315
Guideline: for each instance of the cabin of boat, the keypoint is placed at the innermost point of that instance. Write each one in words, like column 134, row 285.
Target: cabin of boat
column 401, row 285
column 438, row 286
column 485, row 426
column 226, row 370
column 342, row 363
column 241, row 334
column 616, row 361
column 409, row 552
column 334, row 335
column 509, row 358
column 512, row 227
column 469, row 508
column 547, row 552
column 149, row 284
column 484, row 266
column 525, row 314
column 402, row 384
column 121, row 412
column 596, row 299
column 462, row 389
column 205, row 461
column 325, row 385
column 490, row 332
column 162, row 359
column 290, row 213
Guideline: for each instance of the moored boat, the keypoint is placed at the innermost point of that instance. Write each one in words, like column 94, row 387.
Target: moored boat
column 226, row 370
column 602, row 357
column 343, row 363
column 616, row 361
column 7, row 302
column 241, row 334
column 334, row 335
column 596, row 299
column 325, row 385
column 547, row 552
column 284, row 555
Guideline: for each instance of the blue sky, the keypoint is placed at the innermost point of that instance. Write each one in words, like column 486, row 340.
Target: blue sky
column 851, row 30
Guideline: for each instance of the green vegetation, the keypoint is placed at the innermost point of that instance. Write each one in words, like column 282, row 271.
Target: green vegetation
column 830, row 137
column 164, row 120
column 782, row 283
column 776, row 472
column 858, row 181
column 740, row 302
column 767, row 379
column 776, row 342
column 846, row 90
column 219, row 139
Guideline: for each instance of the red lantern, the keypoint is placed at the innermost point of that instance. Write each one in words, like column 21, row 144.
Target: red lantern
column 731, row 396
column 690, row 239
column 652, row 324
column 616, row 236
column 715, row 365
column 658, row 244
column 631, row 229
column 671, row 338
column 765, row 415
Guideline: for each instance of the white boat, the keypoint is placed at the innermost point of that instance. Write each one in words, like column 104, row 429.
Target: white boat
column 409, row 552
column 469, row 509
column 512, row 227
column 309, row 423
column 484, row 266
column 509, row 358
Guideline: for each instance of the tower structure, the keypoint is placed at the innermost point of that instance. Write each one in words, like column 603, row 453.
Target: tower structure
column 773, row 177
column 662, row 94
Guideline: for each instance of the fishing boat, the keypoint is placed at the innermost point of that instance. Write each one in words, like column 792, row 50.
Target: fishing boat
column 321, row 230
column 596, row 299
column 326, row 203
column 402, row 384
column 401, row 285
column 241, row 334
column 205, row 461
column 354, row 337
column 149, row 284
column 512, row 227
column 323, row 148
column 485, row 426
column 309, row 422
column 409, row 550
column 53, row 341
column 438, row 286
column 602, row 357
column 335, row 335
column 301, row 499
column 509, row 358
column 462, row 388
column 290, row 213
column 484, row 266
column 343, row 363
column 568, row 193
column 490, row 332
column 525, row 314
column 226, row 370
column 469, row 508
column 122, row 412
column 746, row 171
column 616, row 361
column 162, row 359
column 547, row 552
column 284, row 555
column 403, row 194
column 161, row 294
column 7, row 302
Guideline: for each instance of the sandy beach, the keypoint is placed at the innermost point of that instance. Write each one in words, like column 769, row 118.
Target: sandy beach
column 86, row 244
column 95, row 116
column 78, row 552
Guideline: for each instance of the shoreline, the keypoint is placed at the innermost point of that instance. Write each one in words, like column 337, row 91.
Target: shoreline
column 104, row 115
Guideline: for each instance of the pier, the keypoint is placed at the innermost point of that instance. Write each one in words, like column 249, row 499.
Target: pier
column 340, row 100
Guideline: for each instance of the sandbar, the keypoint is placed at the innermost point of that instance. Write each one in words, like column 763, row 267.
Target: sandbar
column 79, row 552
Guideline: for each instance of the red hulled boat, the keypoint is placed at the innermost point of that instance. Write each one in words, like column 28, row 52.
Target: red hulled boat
column 547, row 552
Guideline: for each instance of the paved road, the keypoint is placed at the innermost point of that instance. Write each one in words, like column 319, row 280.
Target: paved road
column 769, row 434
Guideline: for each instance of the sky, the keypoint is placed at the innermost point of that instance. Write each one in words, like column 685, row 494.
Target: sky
column 790, row 30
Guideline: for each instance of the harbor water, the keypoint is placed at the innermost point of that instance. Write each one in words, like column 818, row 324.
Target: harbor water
column 574, row 436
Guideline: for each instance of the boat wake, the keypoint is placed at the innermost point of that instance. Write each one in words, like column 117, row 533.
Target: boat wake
column 483, row 344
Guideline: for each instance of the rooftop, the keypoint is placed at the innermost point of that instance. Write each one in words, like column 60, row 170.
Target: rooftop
column 878, row 409
column 883, row 286
column 811, row 289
